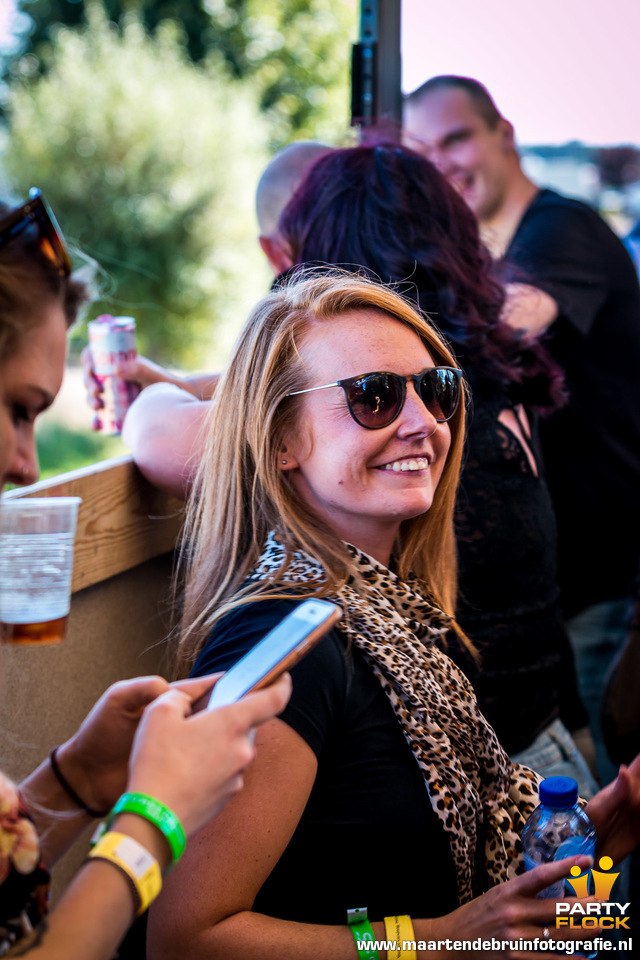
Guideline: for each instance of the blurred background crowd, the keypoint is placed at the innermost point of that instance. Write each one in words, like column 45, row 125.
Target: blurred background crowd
column 147, row 123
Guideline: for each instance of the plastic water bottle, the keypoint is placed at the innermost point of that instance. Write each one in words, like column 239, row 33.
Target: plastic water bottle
column 556, row 829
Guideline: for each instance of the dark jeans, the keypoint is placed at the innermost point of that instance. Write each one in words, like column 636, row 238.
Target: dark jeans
column 597, row 635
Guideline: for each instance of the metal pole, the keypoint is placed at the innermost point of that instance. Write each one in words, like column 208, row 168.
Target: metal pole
column 389, row 64
column 376, row 102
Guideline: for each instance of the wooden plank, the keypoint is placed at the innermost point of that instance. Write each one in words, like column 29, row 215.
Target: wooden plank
column 123, row 520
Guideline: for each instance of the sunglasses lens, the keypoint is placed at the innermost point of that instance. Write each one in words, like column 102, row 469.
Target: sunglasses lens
column 440, row 392
column 375, row 401
column 51, row 243
column 56, row 253
column 35, row 216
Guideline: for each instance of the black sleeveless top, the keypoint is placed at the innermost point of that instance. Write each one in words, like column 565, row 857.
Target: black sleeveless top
column 509, row 597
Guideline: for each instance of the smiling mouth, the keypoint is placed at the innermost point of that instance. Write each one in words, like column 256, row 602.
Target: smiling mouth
column 404, row 466
column 464, row 183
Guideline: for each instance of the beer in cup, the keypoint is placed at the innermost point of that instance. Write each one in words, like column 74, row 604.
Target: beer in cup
column 36, row 563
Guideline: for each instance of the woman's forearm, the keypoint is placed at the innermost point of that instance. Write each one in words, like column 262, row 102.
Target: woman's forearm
column 57, row 818
column 96, row 911
column 254, row 936
column 202, row 385
column 509, row 912
column 162, row 431
column 90, row 920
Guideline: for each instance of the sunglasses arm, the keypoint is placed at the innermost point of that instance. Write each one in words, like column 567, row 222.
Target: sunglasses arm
column 324, row 386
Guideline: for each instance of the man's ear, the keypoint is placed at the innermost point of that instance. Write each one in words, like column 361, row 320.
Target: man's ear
column 507, row 134
column 276, row 253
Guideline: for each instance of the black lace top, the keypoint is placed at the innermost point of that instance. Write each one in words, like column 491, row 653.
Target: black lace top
column 509, row 597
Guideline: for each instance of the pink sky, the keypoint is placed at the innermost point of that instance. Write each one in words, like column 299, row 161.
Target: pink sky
column 559, row 69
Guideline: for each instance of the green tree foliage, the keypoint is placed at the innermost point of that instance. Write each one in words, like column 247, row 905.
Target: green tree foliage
column 150, row 162
column 297, row 52
column 62, row 448
column 47, row 15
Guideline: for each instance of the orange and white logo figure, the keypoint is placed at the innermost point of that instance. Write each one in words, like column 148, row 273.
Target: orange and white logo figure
column 602, row 882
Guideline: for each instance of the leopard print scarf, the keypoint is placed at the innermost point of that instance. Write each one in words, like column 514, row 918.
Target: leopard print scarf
column 476, row 792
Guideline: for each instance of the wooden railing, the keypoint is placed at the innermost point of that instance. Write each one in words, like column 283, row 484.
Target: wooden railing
column 122, row 522
column 120, row 615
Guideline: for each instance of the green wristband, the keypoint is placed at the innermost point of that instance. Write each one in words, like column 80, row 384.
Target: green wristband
column 156, row 813
column 362, row 933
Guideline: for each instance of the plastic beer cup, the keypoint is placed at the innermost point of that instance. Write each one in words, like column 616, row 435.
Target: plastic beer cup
column 36, row 563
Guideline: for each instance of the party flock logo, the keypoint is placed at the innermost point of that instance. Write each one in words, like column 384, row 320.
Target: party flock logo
column 604, row 912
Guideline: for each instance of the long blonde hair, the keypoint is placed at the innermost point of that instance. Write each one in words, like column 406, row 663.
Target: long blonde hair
column 240, row 494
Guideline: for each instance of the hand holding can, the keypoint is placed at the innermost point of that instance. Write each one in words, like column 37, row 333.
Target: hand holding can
column 112, row 340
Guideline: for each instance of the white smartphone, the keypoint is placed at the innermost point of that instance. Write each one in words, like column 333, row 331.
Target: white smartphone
column 278, row 651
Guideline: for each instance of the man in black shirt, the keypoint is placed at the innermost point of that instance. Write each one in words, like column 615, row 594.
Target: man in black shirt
column 570, row 278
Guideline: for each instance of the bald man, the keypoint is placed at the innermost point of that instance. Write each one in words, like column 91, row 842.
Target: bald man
column 577, row 285
column 162, row 426
column 280, row 180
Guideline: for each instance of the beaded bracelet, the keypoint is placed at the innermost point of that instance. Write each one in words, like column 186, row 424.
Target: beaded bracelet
column 156, row 813
column 135, row 862
column 399, row 930
column 68, row 789
column 362, row 933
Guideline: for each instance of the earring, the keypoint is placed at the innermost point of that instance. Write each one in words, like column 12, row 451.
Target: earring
column 283, row 462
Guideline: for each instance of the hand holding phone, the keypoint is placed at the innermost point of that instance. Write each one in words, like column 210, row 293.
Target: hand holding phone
column 278, row 651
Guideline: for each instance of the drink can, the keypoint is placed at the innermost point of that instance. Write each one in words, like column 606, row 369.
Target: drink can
column 112, row 340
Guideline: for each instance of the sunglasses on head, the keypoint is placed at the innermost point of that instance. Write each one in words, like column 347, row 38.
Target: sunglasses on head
column 376, row 399
column 37, row 213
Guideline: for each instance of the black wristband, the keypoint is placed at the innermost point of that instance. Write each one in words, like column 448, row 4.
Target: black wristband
column 68, row 789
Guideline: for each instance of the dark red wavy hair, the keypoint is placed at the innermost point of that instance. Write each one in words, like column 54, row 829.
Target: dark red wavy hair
column 386, row 211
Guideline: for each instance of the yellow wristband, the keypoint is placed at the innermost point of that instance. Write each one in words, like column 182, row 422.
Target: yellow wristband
column 137, row 863
column 400, row 931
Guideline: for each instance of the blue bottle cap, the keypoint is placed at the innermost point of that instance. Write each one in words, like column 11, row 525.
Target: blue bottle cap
column 558, row 792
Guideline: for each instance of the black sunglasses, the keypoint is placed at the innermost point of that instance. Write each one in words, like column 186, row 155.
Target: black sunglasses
column 37, row 212
column 376, row 399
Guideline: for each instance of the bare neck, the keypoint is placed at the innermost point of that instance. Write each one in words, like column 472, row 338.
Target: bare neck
column 497, row 230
